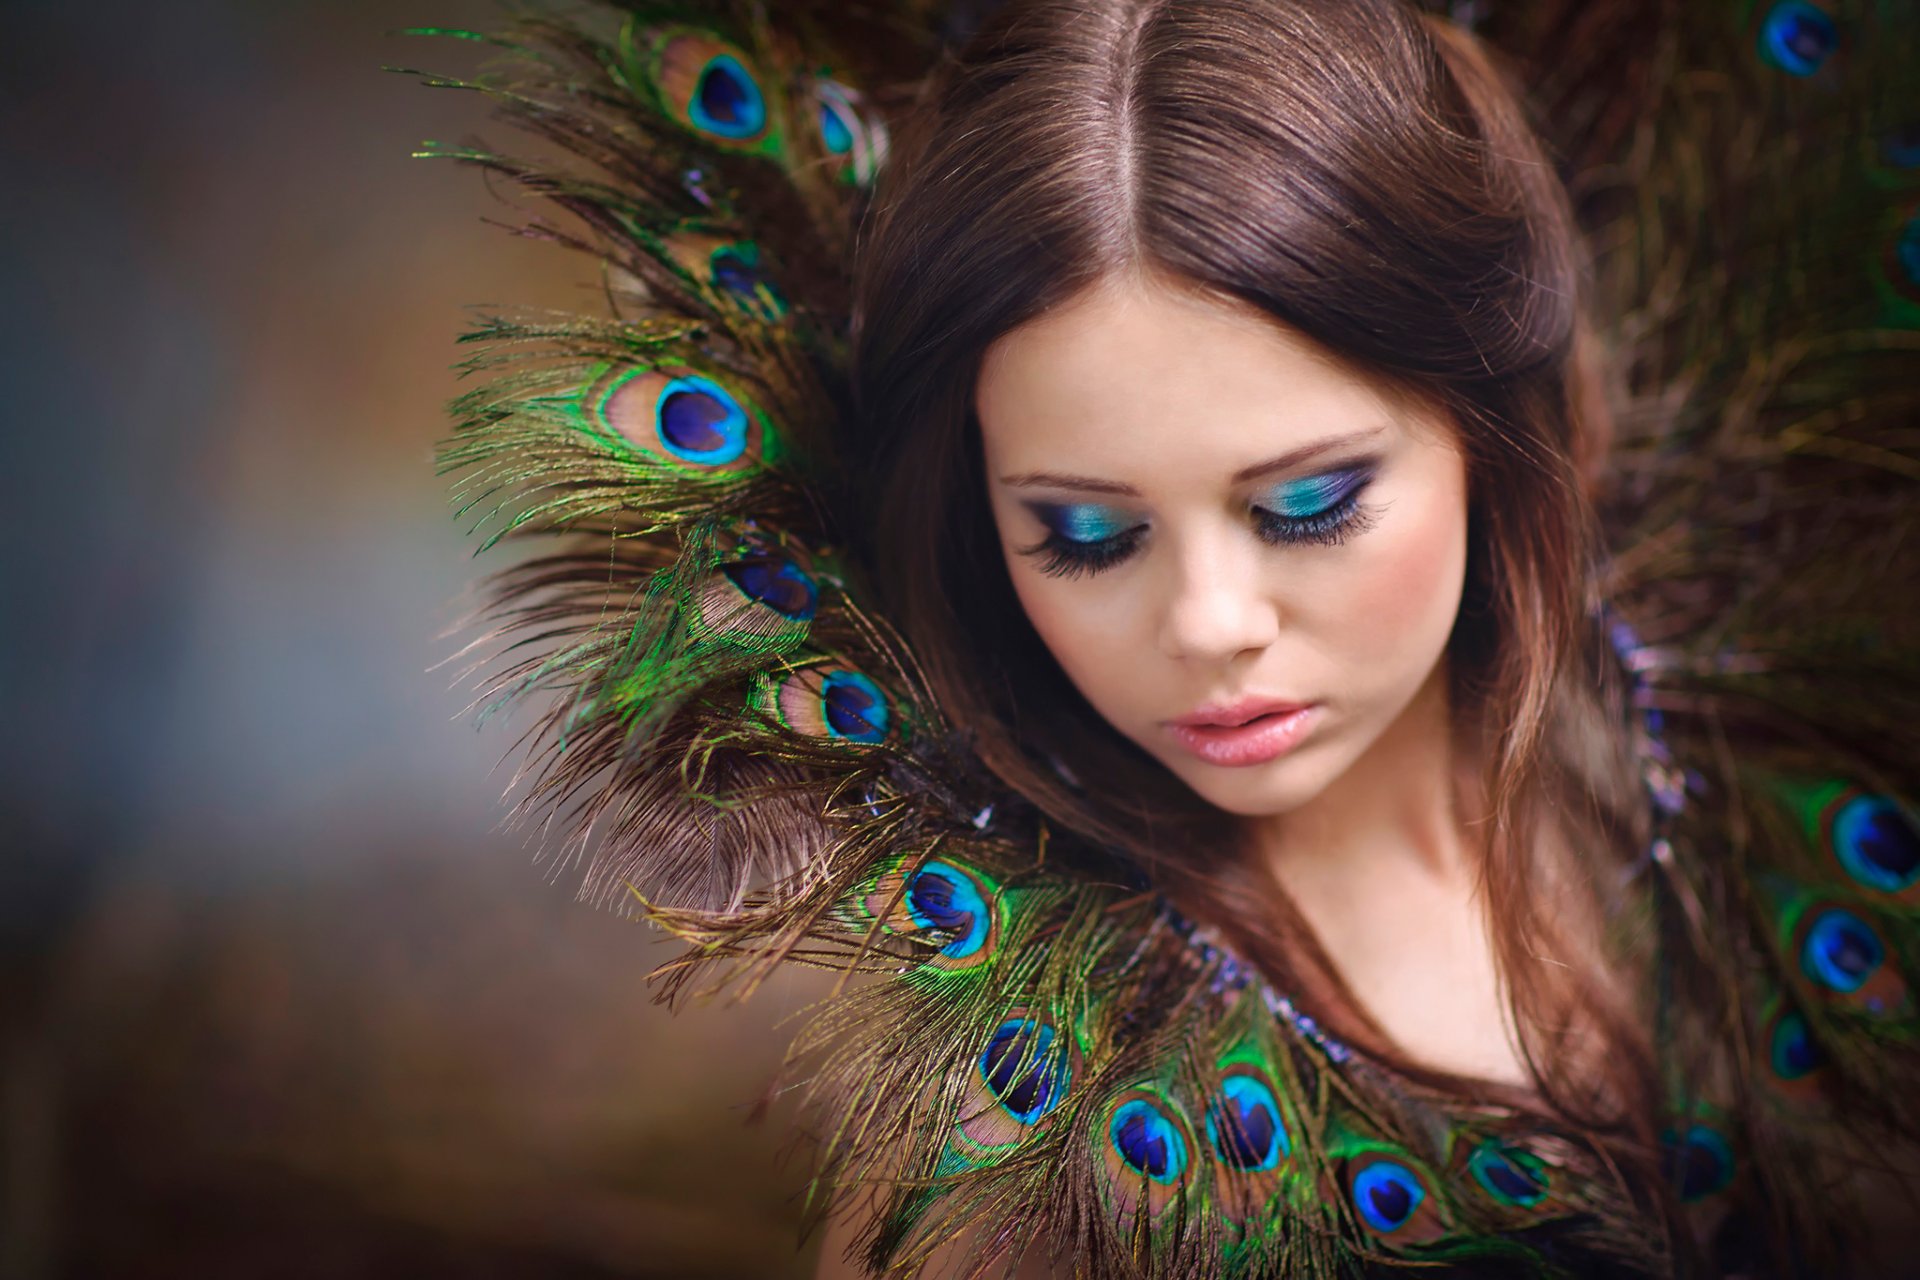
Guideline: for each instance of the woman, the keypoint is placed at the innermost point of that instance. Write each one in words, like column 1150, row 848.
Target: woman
column 1233, row 758
column 1234, row 426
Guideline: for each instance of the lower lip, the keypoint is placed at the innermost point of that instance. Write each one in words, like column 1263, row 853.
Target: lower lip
column 1255, row 742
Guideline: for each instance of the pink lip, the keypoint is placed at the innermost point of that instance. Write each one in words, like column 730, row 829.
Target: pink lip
column 1244, row 733
column 1230, row 714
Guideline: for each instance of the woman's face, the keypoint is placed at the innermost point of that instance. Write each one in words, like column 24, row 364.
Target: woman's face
column 1247, row 559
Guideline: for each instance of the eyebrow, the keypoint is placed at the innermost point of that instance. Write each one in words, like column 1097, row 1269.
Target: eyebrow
column 1291, row 458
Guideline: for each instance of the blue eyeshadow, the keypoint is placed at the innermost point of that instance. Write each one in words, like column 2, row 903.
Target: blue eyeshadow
column 1312, row 495
column 1082, row 521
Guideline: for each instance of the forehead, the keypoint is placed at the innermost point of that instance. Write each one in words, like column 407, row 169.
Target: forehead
column 1144, row 376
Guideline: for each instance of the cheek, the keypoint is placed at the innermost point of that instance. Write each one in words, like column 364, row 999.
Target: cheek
column 1398, row 604
column 1088, row 633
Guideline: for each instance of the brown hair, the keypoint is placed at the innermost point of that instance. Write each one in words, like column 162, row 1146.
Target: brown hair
column 1363, row 175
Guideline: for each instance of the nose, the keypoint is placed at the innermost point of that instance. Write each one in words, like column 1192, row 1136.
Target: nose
column 1217, row 606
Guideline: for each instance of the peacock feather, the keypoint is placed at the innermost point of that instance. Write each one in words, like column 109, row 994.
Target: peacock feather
column 1046, row 1056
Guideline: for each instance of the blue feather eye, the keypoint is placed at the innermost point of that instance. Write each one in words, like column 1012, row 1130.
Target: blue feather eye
column 836, row 131
column 1244, row 1126
column 735, row 269
column 1392, row 1195
column 778, row 583
column 727, row 101
column 678, row 418
column 1508, row 1174
column 1876, row 843
column 1148, row 1142
column 826, row 700
column 758, row 599
column 700, row 423
column 1699, row 1162
column 942, row 897
column 1798, row 37
column 1791, row 1050
column 707, row 85
column 855, row 707
column 1841, row 951
column 946, row 897
column 1144, row 1152
column 1022, row 1075
column 1386, row 1194
column 1026, row 1068
column 723, row 97
column 848, row 134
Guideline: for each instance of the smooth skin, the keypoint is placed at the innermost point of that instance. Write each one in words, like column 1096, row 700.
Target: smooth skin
column 1181, row 401
column 1144, row 418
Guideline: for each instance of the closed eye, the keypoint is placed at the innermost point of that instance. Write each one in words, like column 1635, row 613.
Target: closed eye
column 1322, row 509
column 1312, row 495
column 1085, row 538
column 1083, row 522
column 1082, row 537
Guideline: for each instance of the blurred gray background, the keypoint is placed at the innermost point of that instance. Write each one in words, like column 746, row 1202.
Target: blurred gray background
column 278, row 997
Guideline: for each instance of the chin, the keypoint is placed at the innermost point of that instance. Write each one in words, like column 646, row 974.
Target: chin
column 1260, row 791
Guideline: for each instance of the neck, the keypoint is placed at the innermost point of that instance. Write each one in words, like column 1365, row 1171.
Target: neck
column 1385, row 870
column 1409, row 804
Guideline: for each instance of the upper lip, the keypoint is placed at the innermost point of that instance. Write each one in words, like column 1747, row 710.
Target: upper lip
column 1228, row 714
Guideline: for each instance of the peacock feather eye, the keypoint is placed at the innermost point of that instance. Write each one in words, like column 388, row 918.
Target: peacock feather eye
column 1022, row 1075
column 727, row 101
column 836, row 129
column 698, row 422
column 1875, row 841
column 1840, row 951
column 1390, row 1192
column 1791, row 1050
column 1026, row 1068
column 827, row 700
column 706, row 84
column 848, row 134
column 735, row 270
column 1144, row 1151
column 1244, row 1126
column 1798, row 37
column 943, row 897
column 777, row 583
column 1148, row 1141
column 683, row 419
column 855, row 707
column 1508, row 1174
column 1699, row 1162
column 760, row 597
column 1386, row 1194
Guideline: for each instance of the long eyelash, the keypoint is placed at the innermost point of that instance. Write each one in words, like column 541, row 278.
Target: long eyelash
column 1343, row 520
column 1065, row 558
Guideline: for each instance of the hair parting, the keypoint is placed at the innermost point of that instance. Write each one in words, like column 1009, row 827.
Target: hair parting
column 1366, row 176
